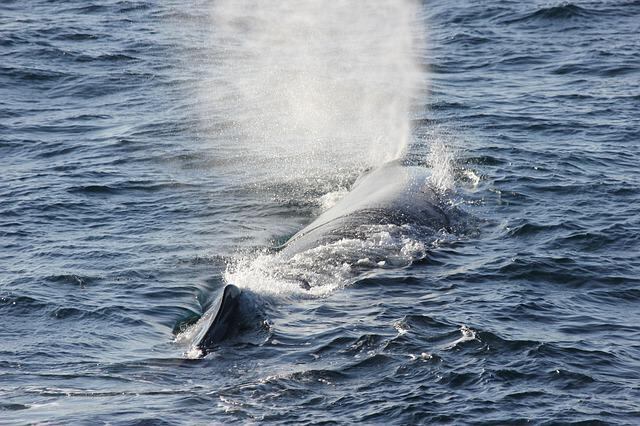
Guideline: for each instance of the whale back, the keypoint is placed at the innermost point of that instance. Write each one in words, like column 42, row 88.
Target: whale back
column 392, row 194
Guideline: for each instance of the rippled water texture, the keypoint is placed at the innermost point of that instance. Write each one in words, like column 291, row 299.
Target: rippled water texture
column 141, row 169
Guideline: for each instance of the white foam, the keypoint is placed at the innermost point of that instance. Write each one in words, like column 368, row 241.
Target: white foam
column 185, row 338
column 473, row 178
column 424, row 356
column 322, row 270
column 467, row 335
column 401, row 327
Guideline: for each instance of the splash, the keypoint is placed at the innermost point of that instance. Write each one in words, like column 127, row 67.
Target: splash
column 467, row 335
column 324, row 269
column 441, row 160
column 311, row 88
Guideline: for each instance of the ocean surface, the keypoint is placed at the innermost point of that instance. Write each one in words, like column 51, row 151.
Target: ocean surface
column 151, row 152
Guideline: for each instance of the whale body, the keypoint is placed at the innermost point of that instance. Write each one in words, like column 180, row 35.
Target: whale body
column 392, row 194
column 389, row 195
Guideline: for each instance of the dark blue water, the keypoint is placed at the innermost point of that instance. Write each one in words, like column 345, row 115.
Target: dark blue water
column 124, row 207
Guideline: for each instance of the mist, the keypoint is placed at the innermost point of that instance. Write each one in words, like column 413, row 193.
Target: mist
column 307, row 88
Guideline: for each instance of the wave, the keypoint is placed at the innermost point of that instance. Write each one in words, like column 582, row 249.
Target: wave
column 128, row 186
column 32, row 74
column 561, row 13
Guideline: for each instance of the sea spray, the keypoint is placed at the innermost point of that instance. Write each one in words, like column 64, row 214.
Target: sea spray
column 311, row 88
column 441, row 161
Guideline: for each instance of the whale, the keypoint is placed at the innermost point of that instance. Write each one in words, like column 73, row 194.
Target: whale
column 393, row 194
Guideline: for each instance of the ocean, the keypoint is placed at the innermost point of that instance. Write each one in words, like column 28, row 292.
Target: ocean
column 152, row 152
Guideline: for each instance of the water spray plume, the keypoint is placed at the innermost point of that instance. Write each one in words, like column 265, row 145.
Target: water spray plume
column 314, row 87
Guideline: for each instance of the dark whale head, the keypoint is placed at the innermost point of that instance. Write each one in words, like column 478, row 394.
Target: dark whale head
column 222, row 320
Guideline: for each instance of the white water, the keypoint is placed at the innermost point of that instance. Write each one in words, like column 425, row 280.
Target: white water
column 328, row 267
